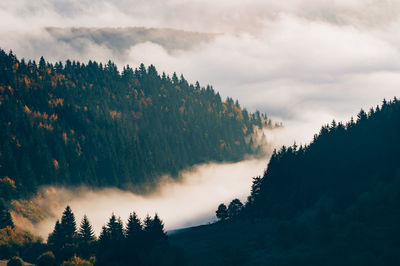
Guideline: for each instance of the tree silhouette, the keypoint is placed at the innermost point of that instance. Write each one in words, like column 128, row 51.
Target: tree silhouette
column 86, row 232
column 115, row 228
column 234, row 208
column 134, row 228
column 134, row 240
column 56, row 239
column 147, row 223
column 157, row 229
column 68, row 226
column 111, row 243
column 86, row 239
column 222, row 212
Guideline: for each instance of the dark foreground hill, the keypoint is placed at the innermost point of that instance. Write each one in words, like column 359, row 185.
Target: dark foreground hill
column 89, row 124
column 334, row 202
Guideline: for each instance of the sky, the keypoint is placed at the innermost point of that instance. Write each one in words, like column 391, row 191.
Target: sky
column 302, row 62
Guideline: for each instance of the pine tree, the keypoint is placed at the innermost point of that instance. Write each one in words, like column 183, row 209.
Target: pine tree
column 134, row 227
column 111, row 243
column 157, row 228
column 115, row 228
column 104, row 236
column 147, row 224
column 68, row 225
column 55, row 239
column 134, row 240
column 86, row 232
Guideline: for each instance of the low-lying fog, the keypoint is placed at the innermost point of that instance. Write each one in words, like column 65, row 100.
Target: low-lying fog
column 189, row 202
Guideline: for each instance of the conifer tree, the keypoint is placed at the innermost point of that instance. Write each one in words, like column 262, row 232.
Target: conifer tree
column 157, row 228
column 111, row 243
column 115, row 228
column 68, row 225
column 134, row 227
column 147, row 224
column 104, row 236
column 55, row 239
column 86, row 232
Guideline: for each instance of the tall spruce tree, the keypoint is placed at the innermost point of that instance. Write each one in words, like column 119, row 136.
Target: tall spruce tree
column 68, row 226
column 86, row 232
column 104, row 236
column 134, row 227
column 157, row 228
column 115, row 228
column 147, row 224
column 55, row 239
column 111, row 243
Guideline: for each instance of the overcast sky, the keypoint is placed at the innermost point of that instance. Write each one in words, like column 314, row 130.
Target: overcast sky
column 303, row 62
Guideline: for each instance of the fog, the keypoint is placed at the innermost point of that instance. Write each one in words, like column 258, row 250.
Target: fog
column 190, row 201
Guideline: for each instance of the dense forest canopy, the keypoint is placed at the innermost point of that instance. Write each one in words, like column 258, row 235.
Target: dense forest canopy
column 341, row 163
column 332, row 202
column 73, row 123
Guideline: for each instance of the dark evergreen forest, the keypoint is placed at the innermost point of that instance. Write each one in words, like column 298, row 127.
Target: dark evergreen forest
column 335, row 201
column 89, row 124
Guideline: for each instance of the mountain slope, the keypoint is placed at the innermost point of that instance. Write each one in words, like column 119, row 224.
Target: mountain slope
column 77, row 124
column 334, row 202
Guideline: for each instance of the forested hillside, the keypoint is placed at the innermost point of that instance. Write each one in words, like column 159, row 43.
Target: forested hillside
column 343, row 162
column 335, row 201
column 72, row 123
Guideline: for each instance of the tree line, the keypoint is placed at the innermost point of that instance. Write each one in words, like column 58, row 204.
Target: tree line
column 135, row 243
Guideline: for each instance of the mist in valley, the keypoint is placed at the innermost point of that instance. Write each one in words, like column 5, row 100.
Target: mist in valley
column 190, row 201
